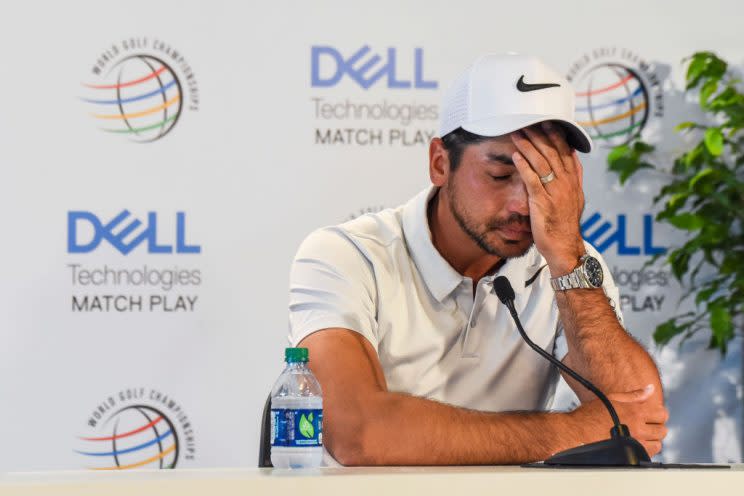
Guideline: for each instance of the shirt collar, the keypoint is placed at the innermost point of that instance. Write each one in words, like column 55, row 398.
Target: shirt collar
column 440, row 277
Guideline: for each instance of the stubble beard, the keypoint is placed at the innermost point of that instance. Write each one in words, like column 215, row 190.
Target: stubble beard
column 478, row 233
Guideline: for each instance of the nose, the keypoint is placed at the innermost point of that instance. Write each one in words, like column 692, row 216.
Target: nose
column 518, row 201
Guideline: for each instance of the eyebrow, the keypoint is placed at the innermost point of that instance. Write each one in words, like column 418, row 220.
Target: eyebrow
column 500, row 157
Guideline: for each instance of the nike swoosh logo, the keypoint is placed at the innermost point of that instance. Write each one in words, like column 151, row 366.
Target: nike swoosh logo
column 524, row 87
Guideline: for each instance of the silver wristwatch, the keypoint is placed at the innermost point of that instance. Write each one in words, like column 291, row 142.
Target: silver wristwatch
column 587, row 275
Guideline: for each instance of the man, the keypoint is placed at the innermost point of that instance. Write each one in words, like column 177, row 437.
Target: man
column 419, row 362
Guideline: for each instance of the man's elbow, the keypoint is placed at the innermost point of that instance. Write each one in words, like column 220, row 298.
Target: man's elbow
column 351, row 445
column 348, row 455
column 358, row 435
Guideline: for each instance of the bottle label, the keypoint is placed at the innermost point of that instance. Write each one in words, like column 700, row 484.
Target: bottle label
column 296, row 427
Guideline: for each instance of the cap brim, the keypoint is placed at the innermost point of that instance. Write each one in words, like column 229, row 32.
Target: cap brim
column 498, row 126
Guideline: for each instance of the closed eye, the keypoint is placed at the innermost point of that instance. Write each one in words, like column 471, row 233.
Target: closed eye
column 500, row 178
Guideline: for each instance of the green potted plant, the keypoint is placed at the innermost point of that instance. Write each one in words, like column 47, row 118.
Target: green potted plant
column 705, row 198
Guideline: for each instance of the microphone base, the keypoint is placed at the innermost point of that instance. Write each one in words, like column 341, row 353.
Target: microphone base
column 620, row 451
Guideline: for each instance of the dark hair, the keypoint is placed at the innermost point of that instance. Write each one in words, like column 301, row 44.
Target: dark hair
column 455, row 143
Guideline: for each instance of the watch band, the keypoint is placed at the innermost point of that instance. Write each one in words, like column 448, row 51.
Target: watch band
column 573, row 280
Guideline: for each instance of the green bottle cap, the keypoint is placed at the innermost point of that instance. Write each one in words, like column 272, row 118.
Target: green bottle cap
column 294, row 355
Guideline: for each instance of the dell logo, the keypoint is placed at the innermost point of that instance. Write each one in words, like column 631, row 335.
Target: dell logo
column 118, row 237
column 328, row 67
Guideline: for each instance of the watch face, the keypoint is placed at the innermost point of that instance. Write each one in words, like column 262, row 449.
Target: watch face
column 593, row 271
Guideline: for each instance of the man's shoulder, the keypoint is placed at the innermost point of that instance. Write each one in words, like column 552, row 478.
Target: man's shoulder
column 383, row 227
column 371, row 235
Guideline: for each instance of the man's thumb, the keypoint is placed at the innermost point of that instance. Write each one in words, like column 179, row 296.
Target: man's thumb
column 633, row 396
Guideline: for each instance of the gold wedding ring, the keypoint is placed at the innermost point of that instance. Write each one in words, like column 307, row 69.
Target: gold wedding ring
column 548, row 178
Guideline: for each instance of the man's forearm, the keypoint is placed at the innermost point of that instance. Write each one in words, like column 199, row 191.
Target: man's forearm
column 599, row 347
column 398, row 429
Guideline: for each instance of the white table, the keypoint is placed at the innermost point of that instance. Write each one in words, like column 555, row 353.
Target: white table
column 380, row 481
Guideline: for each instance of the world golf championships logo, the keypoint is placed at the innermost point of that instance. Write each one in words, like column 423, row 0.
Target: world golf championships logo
column 612, row 103
column 132, row 433
column 616, row 92
column 139, row 436
column 140, row 89
column 143, row 100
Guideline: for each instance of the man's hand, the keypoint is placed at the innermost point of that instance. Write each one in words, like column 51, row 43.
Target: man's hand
column 555, row 207
column 644, row 420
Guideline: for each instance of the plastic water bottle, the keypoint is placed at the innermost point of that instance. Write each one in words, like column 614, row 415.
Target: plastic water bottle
column 296, row 415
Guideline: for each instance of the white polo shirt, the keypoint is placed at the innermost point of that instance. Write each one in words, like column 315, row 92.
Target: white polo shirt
column 380, row 275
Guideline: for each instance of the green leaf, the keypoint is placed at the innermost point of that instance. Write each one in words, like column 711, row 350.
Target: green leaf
column 732, row 263
column 685, row 125
column 712, row 235
column 669, row 211
column 687, row 221
column 714, row 141
column 695, row 69
column 715, row 67
column 625, row 167
column 625, row 175
column 640, row 147
column 306, row 427
column 703, row 173
column 617, row 152
column 680, row 262
column 721, row 324
column 724, row 99
column 693, row 157
column 704, row 66
column 724, row 201
column 671, row 189
column 706, row 91
column 626, row 160
column 704, row 295
column 677, row 200
column 666, row 331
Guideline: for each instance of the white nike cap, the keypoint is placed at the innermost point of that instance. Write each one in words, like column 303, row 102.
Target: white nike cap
column 499, row 94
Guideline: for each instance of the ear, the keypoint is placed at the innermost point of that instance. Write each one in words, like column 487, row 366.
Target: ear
column 439, row 166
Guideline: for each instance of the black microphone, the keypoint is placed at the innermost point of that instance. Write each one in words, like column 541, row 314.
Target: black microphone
column 621, row 449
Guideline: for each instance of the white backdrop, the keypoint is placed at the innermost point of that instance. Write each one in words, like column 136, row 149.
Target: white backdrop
column 256, row 155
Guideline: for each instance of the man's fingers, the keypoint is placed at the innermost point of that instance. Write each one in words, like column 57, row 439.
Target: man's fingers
column 652, row 447
column 633, row 396
column 649, row 432
column 579, row 170
column 652, row 432
column 557, row 139
column 547, row 149
column 529, row 176
column 535, row 159
column 658, row 415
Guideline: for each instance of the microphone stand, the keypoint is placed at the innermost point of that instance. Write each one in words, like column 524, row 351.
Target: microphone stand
column 620, row 449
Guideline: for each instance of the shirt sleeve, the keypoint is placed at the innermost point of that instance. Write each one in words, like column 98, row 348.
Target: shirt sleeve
column 560, row 349
column 331, row 285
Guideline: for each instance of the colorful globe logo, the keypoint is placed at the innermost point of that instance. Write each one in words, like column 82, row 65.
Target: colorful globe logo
column 137, row 436
column 612, row 104
column 141, row 98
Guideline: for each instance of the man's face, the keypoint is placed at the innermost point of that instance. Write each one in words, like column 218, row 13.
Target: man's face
column 488, row 198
